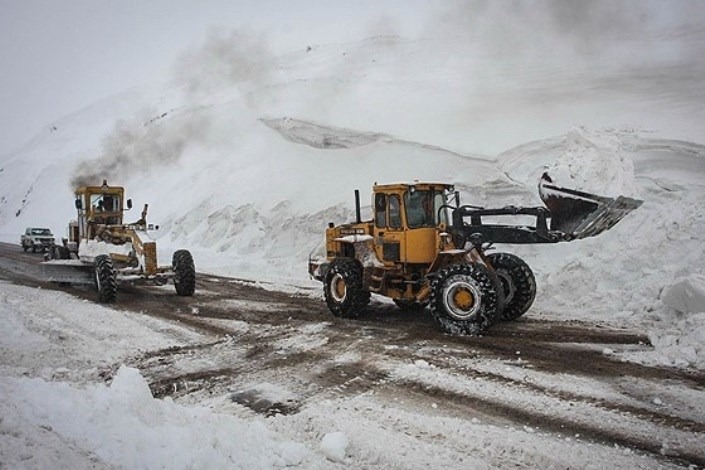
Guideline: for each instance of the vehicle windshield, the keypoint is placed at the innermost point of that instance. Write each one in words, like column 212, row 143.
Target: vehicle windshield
column 41, row 231
column 105, row 203
column 422, row 208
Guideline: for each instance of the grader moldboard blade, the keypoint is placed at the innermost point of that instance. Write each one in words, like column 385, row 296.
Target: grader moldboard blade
column 579, row 214
column 70, row 271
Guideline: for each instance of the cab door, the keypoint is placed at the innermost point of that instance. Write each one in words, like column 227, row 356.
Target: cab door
column 422, row 236
column 389, row 231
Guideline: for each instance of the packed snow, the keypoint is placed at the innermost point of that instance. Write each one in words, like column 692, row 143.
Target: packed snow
column 246, row 169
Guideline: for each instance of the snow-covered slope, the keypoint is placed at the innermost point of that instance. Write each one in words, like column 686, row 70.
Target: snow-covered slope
column 245, row 157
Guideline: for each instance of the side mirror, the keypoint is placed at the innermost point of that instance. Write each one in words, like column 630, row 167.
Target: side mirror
column 129, row 203
column 79, row 204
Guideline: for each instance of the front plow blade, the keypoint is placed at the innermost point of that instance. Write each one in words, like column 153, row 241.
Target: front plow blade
column 67, row 271
column 579, row 214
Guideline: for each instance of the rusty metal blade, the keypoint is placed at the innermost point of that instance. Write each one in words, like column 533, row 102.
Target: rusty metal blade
column 578, row 214
column 69, row 271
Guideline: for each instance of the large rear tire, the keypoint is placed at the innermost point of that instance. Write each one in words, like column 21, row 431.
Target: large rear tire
column 517, row 282
column 184, row 273
column 343, row 290
column 105, row 279
column 463, row 299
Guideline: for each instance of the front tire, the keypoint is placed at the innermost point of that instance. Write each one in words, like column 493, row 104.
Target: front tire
column 105, row 279
column 463, row 299
column 343, row 290
column 517, row 282
column 184, row 273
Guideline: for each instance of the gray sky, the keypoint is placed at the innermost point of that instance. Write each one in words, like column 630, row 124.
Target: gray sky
column 59, row 56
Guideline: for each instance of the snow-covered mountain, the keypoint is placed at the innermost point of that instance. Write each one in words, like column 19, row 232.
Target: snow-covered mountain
column 245, row 156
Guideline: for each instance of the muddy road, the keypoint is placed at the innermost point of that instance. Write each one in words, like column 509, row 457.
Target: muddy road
column 562, row 378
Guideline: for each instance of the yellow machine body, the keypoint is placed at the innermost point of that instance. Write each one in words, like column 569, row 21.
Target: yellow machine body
column 404, row 241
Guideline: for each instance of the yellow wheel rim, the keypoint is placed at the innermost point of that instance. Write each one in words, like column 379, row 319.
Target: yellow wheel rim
column 463, row 299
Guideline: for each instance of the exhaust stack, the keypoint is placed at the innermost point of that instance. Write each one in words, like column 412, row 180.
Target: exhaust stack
column 358, row 218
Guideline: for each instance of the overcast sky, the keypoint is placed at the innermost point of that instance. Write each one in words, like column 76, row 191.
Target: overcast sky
column 59, row 56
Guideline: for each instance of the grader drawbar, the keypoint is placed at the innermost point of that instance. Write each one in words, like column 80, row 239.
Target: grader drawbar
column 423, row 248
column 104, row 251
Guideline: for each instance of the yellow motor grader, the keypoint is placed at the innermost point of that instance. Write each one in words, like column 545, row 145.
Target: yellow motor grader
column 423, row 247
column 104, row 251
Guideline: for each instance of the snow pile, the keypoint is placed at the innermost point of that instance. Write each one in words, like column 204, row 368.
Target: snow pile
column 124, row 426
column 679, row 335
column 621, row 276
column 45, row 338
column 596, row 162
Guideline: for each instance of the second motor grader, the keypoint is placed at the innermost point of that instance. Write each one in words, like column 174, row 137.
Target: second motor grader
column 103, row 250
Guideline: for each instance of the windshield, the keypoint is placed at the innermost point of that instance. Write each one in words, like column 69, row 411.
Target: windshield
column 105, row 203
column 422, row 208
column 41, row 231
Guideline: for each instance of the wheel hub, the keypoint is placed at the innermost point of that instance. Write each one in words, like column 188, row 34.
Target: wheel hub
column 462, row 298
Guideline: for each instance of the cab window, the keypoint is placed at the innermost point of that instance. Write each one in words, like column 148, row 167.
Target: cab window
column 394, row 211
column 104, row 203
column 380, row 210
column 438, row 202
column 420, row 208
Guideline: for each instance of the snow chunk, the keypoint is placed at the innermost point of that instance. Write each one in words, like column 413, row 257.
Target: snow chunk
column 88, row 250
column 686, row 294
column 355, row 238
column 421, row 364
column 293, row 453
column 129, row 384
column 334, row 445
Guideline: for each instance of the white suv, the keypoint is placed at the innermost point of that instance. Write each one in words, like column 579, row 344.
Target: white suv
column 38, row 239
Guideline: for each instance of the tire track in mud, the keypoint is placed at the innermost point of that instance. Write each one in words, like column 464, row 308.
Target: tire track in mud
column 556, row 425
column 565, row 352
column 526, row 383
column 348, row 379
column 546, row 347
column 339, row 380
column 342, row 380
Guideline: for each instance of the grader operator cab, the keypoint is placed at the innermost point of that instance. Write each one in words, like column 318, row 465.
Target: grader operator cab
column 423, row 247
column 103, row 250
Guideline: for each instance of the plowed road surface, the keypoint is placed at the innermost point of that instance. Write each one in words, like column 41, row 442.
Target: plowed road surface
column 552, row 377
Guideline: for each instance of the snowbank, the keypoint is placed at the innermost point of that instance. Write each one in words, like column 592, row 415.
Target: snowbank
column 617, row 277
column 678, row 335
column 123, row 425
